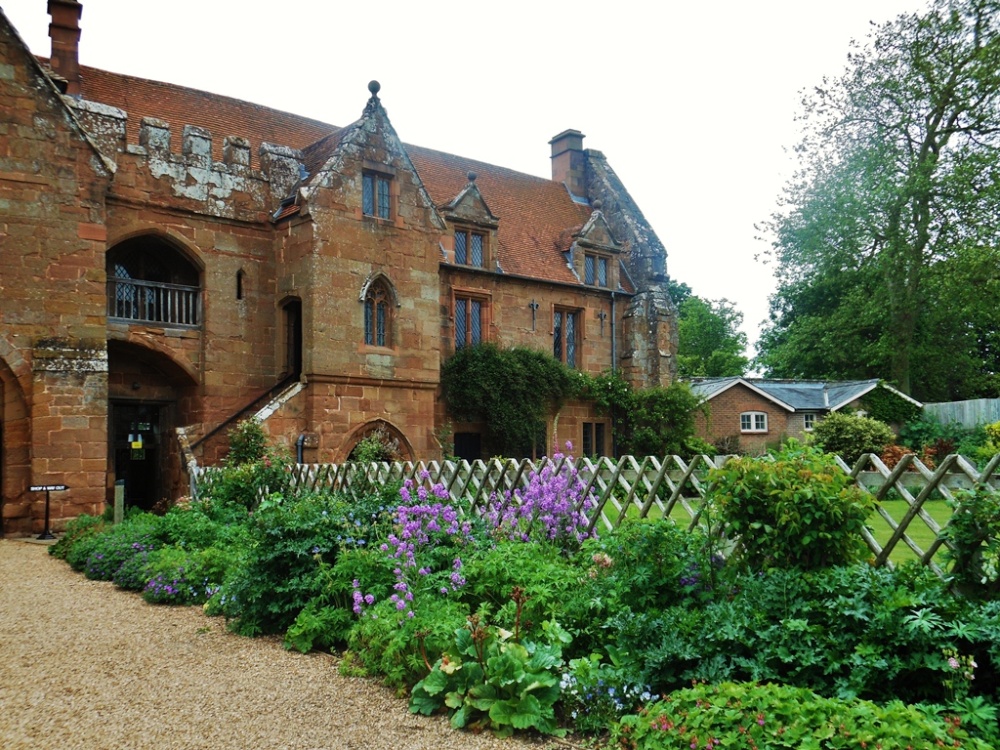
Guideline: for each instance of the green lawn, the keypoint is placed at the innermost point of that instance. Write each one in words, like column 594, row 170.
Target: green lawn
column 918, row 531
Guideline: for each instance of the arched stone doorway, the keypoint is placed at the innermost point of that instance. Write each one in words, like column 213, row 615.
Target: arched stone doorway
column 149, row 395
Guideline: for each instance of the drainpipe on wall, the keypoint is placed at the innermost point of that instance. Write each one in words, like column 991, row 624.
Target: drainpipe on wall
column 300, row 445
column 614, row 352
column 614, row 368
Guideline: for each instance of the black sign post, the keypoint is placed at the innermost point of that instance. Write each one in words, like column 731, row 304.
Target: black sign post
column 47, row 488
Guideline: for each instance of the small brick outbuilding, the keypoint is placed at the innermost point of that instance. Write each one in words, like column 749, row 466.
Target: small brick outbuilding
column 750, row 415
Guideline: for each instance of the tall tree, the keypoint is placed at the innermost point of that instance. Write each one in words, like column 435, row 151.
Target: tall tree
column 899, row 180
column 709, row 340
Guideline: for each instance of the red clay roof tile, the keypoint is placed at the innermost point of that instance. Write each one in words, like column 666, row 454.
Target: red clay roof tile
column 537, row 216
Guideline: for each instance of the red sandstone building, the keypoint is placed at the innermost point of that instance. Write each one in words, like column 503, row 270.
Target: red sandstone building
column 173, row 259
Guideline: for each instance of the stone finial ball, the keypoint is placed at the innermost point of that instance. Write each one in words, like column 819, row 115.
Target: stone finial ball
column 598, row 204
column 374, row 87
column 471, row 176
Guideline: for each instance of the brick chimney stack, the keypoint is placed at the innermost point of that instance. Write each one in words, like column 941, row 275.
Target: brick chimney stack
column 64, row 31
column 569, row 161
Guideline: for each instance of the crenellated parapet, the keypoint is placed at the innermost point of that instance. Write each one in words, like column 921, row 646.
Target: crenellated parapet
column 163, row 169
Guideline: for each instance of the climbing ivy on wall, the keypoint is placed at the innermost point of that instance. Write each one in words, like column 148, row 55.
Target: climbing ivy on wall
column 511, row 391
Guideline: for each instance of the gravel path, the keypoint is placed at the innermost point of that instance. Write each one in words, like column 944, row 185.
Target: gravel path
column 86, row 665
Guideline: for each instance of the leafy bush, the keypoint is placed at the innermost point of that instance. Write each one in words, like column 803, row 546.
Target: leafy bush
column 247, row 443
column 796, row 509
column 853, row 631
column 78, row 529
column 974, row 533
column 646, row 564
column 401, row 648
column 928, row 434
column 178, row 576
column 850, row 436
column 490, row 679
column 549, row 579
column 768, row 717
column 278, row 573
column 106, row 552
column 378, row 445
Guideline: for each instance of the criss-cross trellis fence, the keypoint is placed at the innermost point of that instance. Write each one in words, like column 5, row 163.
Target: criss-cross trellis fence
column 652, row 487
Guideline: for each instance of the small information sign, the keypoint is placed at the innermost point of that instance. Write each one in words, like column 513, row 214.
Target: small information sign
column 47, row 488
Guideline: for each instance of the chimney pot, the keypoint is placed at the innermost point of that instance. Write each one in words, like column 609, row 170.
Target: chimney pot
column 569, row 161
column 64, row 32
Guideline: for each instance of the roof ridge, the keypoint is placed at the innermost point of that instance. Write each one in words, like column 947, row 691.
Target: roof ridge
column 212, row 94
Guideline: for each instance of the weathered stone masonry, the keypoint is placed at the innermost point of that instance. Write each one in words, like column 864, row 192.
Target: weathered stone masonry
column 164, row 263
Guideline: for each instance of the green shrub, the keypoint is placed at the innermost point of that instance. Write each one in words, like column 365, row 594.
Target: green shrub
column 178, row 576
column 647, row 564
column 279, row 571
column 401, row 648
column 796, row 509
column 858, row 631
column 247, row 443
column 108, row 551
column 491, row 679
column 769, row 717
column 78, row 529
column 548, row 578
column 850, row 436
column 974, row 533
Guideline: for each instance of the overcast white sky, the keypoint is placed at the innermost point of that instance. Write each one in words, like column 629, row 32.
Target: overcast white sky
column 692, row 103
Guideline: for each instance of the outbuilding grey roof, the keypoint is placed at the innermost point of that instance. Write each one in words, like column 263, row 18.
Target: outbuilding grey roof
column 796, row 395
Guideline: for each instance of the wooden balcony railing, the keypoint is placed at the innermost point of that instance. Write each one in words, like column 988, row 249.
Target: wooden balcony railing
column 139, row 301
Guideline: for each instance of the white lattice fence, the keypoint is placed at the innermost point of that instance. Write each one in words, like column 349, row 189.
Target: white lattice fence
column 652, row 487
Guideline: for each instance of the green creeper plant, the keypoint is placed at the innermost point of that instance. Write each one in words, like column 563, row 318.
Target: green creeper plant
column 974, row 535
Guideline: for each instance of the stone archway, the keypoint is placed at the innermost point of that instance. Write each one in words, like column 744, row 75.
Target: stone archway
column 149, row 395
column 15, row 450
column 386, row 432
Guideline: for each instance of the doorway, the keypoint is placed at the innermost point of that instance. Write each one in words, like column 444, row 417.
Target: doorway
column 135, row 435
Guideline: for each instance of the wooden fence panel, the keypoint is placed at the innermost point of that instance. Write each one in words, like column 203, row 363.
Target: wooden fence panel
column 653, row 488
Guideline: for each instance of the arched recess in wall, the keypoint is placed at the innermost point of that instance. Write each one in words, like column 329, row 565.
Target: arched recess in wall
column 153, row 280
column 15, row 442
column 150, row 394
column 386, row 432
column 291, row 337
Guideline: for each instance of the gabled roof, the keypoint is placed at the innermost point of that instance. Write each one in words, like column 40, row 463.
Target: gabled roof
column 797, row 395
column 535, row 214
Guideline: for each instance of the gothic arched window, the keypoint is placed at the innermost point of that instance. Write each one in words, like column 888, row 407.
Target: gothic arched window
column 378, row 319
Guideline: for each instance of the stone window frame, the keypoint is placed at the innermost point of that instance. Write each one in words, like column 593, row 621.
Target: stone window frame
column 570, row 356
column 592, row 263
column 469, row 232
column 753, row 422
column 379, row 210
column 461, row 297
column 376, row 285
column 378, row 332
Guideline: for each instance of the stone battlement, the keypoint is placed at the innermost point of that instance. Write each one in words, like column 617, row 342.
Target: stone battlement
column 194, row 175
